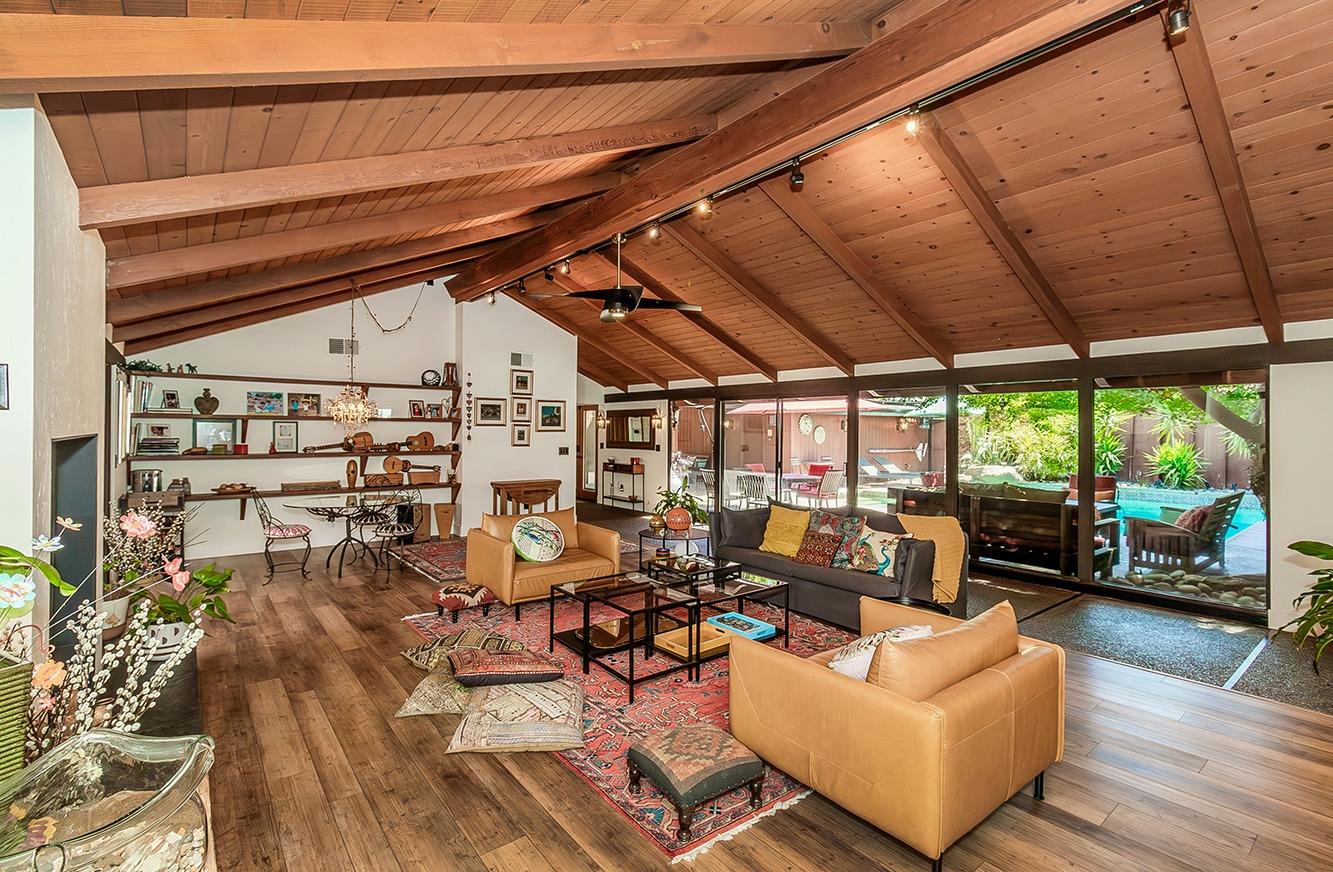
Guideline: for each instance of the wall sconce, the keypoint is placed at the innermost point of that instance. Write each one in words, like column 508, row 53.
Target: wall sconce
column 657, row 420
column 601, row 420
column 726, row 424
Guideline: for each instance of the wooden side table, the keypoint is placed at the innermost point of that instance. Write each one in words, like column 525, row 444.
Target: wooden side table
column 522, row 496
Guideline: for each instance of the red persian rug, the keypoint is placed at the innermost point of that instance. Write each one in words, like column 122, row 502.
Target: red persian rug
column 611, row 724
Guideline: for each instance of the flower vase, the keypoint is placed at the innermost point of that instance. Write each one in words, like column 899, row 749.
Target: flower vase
column 169, row 638
column 117, row 611
column 15, row 697
column 656, row 523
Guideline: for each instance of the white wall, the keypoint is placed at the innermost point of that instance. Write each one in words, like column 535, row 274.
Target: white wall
column 487, row 335
column 52, row 322
column 295, row 347
column 655, row 463
column 1300, row 476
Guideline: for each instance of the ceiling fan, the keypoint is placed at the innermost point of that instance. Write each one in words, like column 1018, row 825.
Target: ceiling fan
column 618, row 302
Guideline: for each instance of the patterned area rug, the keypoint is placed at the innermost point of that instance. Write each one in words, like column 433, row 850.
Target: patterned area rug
column 446, row 559
column 611, row 724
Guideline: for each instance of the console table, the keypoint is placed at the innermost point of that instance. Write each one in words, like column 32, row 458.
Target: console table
column 636, row 482
column 524, row 495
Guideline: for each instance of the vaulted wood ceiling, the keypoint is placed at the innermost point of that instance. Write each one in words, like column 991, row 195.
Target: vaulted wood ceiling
column 1124, row 185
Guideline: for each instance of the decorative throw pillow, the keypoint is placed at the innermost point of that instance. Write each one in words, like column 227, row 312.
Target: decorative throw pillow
column 475, row 668
column 1194, row 518
column 817, row 548
column 522, row 717
column 431, row 654
column 537, row 539
column 853, row 659
column 876, row 551
column 842, row 557
column 831, row 522
column 437, row 694
column 786, row 528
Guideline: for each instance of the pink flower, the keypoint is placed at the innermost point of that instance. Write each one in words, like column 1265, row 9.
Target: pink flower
column 44, row 702
column 136, row 526
column 171, row 567
column 179, row 580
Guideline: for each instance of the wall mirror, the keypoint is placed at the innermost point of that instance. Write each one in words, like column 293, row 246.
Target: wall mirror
column 631, row 428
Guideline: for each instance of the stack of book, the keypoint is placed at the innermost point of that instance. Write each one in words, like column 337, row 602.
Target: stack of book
column 143, row 393
column 159, row 445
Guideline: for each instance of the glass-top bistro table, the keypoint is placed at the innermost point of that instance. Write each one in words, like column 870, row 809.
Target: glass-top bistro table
column 355, row 511
column 665, row 535
column 643, row 605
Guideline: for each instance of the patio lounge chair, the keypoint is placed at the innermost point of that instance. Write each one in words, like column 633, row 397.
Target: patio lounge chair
column 1163, row 546
column 869, row 470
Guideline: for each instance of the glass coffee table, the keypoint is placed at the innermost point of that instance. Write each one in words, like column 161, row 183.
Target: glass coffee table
column 690, row 568
column 738, row 588
column 643, row 604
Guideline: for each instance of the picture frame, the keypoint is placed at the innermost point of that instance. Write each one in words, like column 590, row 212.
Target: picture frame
column 303, row 405
column 435, row 410
column 520, row 434
column 489, row 411
column 212, row 432
column 285, row 437
column 550, row 416
column 264, row 403
column 171, row 399
column 159, row 430
column 416, row 408
column 520, row 382
column 520, row 410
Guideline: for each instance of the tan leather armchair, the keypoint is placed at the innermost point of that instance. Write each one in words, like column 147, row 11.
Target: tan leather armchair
column 590, row 552
column 926, row 772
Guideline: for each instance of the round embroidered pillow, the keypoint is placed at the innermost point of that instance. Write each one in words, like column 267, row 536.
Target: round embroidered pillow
column 537, row 539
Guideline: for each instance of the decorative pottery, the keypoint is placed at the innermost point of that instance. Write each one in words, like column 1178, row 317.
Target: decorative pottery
column 15, row 687
column 657, row 523
column 117, row 611
column 206, row 404
column 537, row 539
column 678, row 519
column 168, row 636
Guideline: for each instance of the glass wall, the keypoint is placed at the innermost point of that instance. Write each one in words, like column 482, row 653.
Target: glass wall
column 692, row 433
column 749, row 453
column 901, row 454
column 814, row 451
column 1183, row 465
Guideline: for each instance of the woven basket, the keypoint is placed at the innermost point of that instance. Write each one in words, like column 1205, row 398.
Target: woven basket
column 423, row 475
column 15, row 697
column 382, row 479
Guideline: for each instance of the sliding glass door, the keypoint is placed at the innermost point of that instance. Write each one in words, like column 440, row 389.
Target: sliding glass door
column 814, row 451
column 900, row 459
column 693, row 431
column 749, row 453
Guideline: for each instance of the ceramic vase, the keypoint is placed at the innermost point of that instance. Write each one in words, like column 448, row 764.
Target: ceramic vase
column 169, row 638
column 656, row 523
column 678, row 519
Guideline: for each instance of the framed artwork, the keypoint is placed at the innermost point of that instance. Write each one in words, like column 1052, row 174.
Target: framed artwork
column 435, row 410
column 489, row 411
column 303, row 405
column 550, row 415
column 159, row 430
column 284, row 437
column 263, row 403
column 212, row 433
column 520, row 409
column 171, row 399
column 416, row 408
column 520, row 382
column 520, row 434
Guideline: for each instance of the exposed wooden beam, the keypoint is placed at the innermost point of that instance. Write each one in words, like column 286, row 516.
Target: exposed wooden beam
column 645, row 335
column 856, row 269
column 761, row 296
column 47, row 53
column 209, row 320
column 158, row 265
column 586, row 336
column 1196, row 73
column 960, row 39
column 642, row 276
column 987, row 215
column 305, row 297
column 160, row 199
column 602, row 377
column 154, row 304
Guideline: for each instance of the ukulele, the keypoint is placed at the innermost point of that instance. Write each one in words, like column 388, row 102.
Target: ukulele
column 359, row 441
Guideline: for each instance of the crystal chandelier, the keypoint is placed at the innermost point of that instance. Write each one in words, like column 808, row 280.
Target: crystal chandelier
column 352, row 407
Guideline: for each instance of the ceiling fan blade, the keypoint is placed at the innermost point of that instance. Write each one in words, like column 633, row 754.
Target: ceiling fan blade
column 545, row 296
column 669, row 304
column 599, row 294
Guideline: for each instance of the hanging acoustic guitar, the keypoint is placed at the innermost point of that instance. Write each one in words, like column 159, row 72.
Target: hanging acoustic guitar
column 359, row 441
column 423, row 441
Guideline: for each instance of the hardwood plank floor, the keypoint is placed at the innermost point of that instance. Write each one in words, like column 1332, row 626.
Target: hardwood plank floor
column 314, row 772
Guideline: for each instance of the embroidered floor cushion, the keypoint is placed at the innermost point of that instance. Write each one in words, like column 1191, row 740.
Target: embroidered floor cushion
column 694, row 762
column 476, row 668
column 287, row 531
column 522, row 717
column 431, row 654
column 458, row 595
column 439, row 693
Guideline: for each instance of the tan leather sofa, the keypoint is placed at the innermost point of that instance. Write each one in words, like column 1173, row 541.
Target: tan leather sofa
column 590, row 552
column 925, row 771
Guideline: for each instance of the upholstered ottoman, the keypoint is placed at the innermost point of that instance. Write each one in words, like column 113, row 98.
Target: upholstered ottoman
column 458, row 595
column 693, row 764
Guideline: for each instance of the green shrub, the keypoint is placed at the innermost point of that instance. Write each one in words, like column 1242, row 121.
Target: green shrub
column 1108, row 445
column 1178, row 465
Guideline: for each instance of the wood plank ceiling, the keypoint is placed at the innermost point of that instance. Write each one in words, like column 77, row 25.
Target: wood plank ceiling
column 1125, row 185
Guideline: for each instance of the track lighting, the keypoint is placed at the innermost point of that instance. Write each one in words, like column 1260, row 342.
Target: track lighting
column 654, row 231
column 522, row 288
column 705, row 207
column 797, row 177
column 564, row 267
column 913, row 122
column 547, row 274
column 490, row 298
column 1178, row 18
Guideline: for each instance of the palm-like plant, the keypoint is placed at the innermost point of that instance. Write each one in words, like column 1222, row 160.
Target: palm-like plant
column 1317, row 621
column 1178, row 465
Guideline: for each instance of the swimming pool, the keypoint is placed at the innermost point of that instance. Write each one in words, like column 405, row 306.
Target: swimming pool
column 1138, row 501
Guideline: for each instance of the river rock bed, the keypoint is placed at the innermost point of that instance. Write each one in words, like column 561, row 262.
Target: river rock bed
column 1230, row 589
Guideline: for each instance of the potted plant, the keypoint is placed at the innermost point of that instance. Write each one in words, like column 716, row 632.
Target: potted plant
column 1317, row 621
column 679, row 508
column 192, row 594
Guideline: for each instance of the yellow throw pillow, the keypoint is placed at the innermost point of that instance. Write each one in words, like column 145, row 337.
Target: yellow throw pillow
column 786, row 528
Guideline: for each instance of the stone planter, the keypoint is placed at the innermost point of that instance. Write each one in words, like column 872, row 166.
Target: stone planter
column 169, row 638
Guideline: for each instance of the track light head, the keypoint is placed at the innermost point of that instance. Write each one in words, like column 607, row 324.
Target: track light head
column 654, row 231
column 797, row 180
column 564, row 267
column 547, row 274
column 1178, row 19
column 705, row 207
column 913, row 124
column 490, row 298
column 522, row 288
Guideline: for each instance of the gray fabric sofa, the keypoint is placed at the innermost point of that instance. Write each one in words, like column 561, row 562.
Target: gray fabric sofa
column 823, row 592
